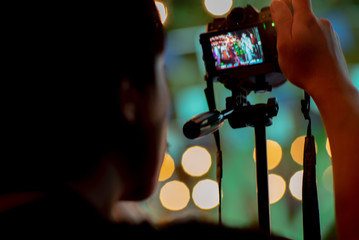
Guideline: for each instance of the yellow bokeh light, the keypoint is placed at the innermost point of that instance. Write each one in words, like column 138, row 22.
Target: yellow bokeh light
column 327, row 146
column 295, row 185
column 162, row 9
column 205, row 194
column 167, row 169
column 297, row 149
column 218, row 7
column 276, row 188
column 174, row 195
column 274, row 154
column 196, row 161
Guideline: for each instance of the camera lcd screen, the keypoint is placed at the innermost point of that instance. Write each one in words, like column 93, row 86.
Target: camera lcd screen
column 237, row 48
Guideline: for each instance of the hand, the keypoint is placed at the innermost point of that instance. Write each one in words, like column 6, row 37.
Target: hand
column 310, row 55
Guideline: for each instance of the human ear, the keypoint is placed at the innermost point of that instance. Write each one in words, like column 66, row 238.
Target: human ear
column 128, row 99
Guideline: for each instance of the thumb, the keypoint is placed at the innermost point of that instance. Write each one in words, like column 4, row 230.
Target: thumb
column 283, row 20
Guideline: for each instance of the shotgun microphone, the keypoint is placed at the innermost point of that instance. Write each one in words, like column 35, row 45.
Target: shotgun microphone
column 205, row 123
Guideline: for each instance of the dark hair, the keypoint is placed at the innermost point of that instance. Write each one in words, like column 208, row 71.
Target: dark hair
column 142, row 42
column 64, row 66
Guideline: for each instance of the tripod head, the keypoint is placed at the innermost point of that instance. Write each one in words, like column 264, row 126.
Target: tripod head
column 239, row 112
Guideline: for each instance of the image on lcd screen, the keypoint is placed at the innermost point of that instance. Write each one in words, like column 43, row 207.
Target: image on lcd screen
column 237, row 48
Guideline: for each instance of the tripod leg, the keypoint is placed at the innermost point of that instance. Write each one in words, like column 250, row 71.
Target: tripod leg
column 262, row 177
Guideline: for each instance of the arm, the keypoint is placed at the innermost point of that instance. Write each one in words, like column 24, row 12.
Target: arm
column 311, row 58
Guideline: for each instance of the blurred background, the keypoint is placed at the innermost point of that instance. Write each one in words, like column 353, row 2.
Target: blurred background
column 187, row 187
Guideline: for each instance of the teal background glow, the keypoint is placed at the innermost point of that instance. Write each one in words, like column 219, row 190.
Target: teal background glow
column 185, row 72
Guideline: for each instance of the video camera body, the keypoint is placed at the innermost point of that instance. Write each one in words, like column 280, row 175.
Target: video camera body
column 241, row 48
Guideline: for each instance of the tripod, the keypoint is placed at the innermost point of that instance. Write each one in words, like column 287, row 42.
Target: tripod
column 258, row 116
column 240, row 113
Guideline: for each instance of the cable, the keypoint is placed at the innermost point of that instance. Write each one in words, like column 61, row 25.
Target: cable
column 212, row 106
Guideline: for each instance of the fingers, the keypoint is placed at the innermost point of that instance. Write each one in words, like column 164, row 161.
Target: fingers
column 302, row 7
column 326, row 23
column 289, row 3
column 283, row 20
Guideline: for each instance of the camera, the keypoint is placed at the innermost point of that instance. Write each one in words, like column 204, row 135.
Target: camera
column 240, row 50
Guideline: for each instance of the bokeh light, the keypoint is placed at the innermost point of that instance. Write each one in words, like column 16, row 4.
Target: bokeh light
column 297, row 149
column 218, row 7
column 174, row 195
column 196, row 161
column 327, row 146
column 295, row 185
column 167, row 169
column 185, row 22
column 162, row 9
column 276, row 187
column 274, row 154
column 205, row 194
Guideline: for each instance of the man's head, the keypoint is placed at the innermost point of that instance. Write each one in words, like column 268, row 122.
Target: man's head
column 85, row 81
